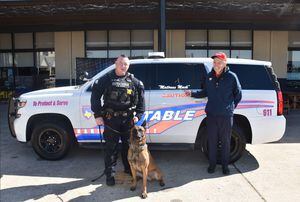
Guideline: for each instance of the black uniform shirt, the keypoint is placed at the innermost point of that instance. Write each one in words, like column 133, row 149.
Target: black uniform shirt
column 103, row 83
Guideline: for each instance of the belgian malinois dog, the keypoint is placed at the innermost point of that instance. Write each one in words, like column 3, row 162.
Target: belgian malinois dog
column 141, row 161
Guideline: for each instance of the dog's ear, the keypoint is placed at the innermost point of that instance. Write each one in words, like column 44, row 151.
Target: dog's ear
column 132, row 130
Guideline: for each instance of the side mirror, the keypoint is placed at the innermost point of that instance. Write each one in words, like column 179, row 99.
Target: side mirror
column 84, row 76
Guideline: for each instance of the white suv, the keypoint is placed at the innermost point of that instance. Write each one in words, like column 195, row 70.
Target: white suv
column 54, row 119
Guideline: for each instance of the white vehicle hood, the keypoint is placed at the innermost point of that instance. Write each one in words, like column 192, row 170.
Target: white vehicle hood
column 59, row 91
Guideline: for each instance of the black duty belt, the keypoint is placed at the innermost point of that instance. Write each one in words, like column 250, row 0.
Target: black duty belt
column 118, row 113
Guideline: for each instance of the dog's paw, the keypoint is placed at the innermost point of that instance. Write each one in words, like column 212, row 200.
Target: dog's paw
column 144, row 195
column 132, row 188
column 161, row 183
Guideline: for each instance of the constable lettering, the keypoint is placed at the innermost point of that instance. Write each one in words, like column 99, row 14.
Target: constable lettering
column 169, row 115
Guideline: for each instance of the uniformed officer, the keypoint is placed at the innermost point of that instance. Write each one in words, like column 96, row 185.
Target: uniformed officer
column 223, row 91
column 123, row 105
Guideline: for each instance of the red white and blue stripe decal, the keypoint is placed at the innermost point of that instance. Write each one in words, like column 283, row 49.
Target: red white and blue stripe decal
column 160, row 120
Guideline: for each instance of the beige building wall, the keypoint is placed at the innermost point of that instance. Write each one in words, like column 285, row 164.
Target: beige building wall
column 62, row 46
column 261, row 45
column 68, row 46
column 272, row 46
column 77, row 48
column 175, row 46
column 155, row 40
column 279, row 52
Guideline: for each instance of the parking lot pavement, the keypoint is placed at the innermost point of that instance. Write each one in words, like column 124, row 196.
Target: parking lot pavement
column 267, row 172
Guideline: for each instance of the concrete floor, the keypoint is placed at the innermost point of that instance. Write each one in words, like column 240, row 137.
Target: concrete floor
column 267, row 172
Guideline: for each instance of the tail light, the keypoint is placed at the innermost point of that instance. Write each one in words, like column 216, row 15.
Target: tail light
column 279, row 103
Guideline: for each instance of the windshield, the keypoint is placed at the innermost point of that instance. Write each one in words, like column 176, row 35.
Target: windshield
column 91, row 80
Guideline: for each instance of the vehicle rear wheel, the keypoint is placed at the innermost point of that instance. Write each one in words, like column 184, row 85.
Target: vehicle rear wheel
column 237, row 144
column 51, row 141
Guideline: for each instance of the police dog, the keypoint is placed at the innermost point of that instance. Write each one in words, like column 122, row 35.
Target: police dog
column 141, row 161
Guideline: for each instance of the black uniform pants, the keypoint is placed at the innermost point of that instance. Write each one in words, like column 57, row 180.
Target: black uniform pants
column 219, row 130
column 116, row 128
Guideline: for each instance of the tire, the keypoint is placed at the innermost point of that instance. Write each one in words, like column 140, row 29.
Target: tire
column 51, row 141
column 237, row 144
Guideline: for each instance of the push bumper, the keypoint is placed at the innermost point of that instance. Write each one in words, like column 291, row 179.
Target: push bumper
column 12, row 115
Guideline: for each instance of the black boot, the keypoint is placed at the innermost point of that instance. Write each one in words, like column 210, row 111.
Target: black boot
column 211, row 168
column 225, row 170
column 110, row 181
column 128, row 171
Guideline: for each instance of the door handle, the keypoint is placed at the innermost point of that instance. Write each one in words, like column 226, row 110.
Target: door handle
column 199, row 100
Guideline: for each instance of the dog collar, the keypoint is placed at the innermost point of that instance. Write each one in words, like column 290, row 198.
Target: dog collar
column 141, row 147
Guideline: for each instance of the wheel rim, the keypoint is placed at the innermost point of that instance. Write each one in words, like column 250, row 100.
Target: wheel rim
column 50, row 141
column 234, row 142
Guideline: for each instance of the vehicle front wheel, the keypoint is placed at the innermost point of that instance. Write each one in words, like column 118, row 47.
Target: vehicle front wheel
column 237, row 144
column 51, row 141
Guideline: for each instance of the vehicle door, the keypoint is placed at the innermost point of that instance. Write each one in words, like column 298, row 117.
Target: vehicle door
column 89, row 131
column 141, row 72
column 173, row 117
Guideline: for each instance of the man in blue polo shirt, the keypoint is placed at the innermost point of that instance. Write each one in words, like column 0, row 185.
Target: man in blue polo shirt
column 223, row 92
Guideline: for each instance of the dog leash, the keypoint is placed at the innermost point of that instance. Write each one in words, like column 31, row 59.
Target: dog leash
column 139, row 123
column 101, row 139
column 116, row 131
column 97, row 178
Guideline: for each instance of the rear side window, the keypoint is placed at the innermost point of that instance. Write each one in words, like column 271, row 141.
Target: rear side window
column 170, row 76
column 252, row 76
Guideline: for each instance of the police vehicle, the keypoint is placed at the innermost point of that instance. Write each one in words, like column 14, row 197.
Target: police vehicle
column 55, row 119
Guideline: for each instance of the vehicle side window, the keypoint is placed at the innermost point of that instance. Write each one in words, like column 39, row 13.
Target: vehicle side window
column 141, row 72
column 170, row 76
column 252, row 76
column 89, row 89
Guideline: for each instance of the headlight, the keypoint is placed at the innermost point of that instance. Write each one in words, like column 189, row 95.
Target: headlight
column 21, row 103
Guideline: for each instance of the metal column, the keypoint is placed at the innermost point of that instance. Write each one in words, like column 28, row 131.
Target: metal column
column 162, row 27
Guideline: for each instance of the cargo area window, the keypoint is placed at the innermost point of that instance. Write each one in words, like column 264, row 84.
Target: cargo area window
column 253, row 76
